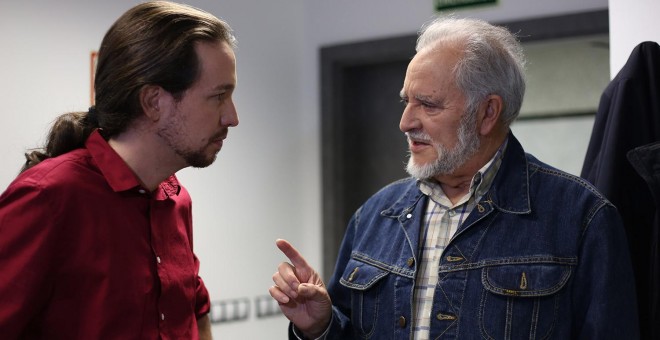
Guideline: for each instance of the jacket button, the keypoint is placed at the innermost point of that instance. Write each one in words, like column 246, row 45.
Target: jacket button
column 402, row 322
column 410, row 262
column 352, row 276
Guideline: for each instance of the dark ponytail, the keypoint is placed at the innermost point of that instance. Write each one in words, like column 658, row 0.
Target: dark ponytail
column 69, row 132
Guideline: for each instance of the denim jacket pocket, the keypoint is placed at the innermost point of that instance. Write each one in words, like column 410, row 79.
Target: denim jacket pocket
column 363, row 280
column 520, row 301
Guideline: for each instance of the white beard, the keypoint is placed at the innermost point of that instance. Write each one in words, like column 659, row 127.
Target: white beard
column 448, row 160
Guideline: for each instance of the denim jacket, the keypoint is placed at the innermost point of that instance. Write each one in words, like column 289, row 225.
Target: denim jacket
column 542, row 256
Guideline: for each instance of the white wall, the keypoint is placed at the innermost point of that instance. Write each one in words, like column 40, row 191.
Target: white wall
column 631, row 23
column 266, row 182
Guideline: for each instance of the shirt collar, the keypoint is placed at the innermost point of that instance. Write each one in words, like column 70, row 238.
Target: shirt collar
column 480, row 184
column 168, row 188
column 119, row 176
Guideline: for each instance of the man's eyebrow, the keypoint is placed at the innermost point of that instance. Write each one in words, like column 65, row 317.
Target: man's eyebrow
column 423, row 98
column 224, row 87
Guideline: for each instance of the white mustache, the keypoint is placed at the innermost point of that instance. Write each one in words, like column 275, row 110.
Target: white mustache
column 419, row 136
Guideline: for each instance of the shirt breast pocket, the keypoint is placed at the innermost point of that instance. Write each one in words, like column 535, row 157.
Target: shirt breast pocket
column 365, row 284
column 520, row 301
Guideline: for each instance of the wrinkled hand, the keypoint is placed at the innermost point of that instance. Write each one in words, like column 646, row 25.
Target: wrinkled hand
column 301, row 294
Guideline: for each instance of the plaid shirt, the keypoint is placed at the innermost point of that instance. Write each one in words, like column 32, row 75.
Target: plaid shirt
column 441, row 220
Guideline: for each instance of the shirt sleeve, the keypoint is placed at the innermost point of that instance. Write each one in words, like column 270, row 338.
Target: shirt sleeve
column 202, row 298
column 27, row 255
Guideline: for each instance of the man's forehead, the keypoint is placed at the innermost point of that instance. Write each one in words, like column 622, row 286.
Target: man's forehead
column 218, row 66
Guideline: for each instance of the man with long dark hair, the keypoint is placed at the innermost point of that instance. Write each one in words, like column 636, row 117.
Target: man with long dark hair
column 96, row 232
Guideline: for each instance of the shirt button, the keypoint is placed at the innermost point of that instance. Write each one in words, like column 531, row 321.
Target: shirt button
column 158, row 259
column 162, row 316
column 142, row 191
column 402, row 321
column 409, row 216
column 410, row 262
column 452, row 213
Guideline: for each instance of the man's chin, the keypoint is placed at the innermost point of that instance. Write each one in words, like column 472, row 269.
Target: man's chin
column 420, row 171
column 201, row 161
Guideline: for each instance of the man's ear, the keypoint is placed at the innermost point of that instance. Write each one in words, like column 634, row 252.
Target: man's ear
column 489, row 114
column 151, row 97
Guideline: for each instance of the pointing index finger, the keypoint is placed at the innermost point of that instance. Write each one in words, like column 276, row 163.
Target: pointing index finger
column 292, row 253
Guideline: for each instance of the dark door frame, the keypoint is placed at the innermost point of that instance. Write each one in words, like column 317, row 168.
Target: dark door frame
column 336, row 60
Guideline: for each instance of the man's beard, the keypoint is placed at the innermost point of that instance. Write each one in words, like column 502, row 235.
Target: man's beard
column 196, row 158
column 448, row 160
column 199, row 158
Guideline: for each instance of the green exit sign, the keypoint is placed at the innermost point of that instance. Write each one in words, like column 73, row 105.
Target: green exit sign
column 445, row 4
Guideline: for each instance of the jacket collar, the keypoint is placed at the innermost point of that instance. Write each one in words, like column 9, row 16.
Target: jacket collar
column 508, row 193
column 510, row 190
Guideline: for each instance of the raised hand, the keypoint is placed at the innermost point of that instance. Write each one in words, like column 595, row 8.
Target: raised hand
column 301, row 293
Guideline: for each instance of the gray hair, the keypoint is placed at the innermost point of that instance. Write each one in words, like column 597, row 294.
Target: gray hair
column 492, row 61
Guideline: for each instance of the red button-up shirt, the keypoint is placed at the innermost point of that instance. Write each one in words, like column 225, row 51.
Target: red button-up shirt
column 87, row 253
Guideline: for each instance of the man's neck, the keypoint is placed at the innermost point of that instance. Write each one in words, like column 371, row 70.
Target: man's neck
column 456, row 190
column 457, row 184
column 150, row 162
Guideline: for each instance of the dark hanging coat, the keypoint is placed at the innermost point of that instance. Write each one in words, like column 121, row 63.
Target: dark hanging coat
column 623, row 162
